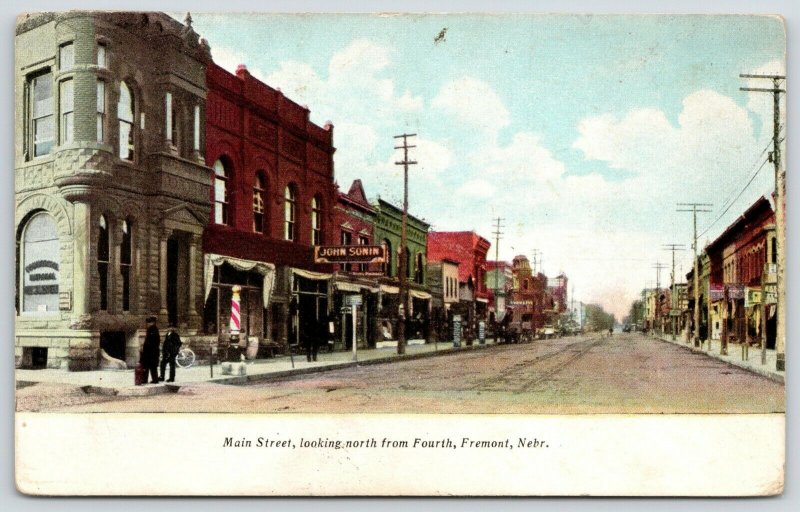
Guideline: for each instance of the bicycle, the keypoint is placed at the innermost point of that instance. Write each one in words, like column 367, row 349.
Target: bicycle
column 185, row 358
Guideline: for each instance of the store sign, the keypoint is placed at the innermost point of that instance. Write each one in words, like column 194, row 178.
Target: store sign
column 752, row 297
column 349, row 254
column 717, row 292
column 353, row 300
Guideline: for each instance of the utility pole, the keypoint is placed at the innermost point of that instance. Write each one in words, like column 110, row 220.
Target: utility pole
column 695, row 208
column 405, row 162
column 672, row 317
column 780, row 230
column 658, row 266
column 535, row 253
column 498, row 234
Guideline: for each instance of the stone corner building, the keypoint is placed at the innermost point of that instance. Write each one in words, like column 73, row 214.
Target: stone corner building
column 111, row 186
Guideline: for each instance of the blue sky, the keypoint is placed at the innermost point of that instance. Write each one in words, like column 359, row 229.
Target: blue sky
column 581, row 131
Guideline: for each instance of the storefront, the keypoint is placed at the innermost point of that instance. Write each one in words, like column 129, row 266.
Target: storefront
column 308, row 304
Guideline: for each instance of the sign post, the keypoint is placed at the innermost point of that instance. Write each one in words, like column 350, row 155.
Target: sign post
column 354, row 301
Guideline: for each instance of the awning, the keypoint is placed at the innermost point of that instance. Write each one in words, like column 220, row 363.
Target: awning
column 391, row 290
column 266, row 269
column 416, row 294
column 353, row 287
column 481, row 299
column 308, row 274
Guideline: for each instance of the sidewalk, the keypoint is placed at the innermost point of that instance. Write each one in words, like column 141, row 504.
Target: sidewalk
column 734, row 357
column 120, row 382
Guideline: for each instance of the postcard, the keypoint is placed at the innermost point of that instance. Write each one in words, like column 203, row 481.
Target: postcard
column 399, row 254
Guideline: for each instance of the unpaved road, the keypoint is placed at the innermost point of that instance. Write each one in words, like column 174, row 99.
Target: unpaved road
column 626, row 373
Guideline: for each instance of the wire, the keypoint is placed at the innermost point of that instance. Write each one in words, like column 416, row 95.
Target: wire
column 731, row 203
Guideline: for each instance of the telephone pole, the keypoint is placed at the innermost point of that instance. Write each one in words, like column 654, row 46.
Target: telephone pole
column 695, row 208
column 498, row 234
column 780, row 231
column 673, row 318
column 535, row 253
column 403, row 310
column 658, row 266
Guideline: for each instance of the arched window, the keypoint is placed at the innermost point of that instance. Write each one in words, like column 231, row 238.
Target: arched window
column 126, row 262
column 40, row 262
column 103, row 253
column 386, row 266
column 418, row 269
column 289, row 206
column 316, row 221
column 259, row 188
column 125, row 114
column 220, row 193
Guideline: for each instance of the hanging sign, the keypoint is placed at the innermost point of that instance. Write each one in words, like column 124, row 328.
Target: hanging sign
column 752, row 297
column 349, row 254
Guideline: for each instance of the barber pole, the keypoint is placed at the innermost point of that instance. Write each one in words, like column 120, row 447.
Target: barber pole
column 236, row 315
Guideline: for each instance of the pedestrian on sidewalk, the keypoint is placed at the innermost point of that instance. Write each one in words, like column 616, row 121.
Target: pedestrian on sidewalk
column 311, row 336
column 172, row 345
column 148, row 357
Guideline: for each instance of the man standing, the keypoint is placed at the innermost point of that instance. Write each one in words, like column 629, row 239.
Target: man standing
column 149, row 354
column 172, row 345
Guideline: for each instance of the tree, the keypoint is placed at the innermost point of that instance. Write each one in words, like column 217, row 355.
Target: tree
column 597, row 319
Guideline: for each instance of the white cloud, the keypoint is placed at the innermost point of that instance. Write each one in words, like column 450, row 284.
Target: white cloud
column 477, row 188
column 525, row 159
column 474, row 102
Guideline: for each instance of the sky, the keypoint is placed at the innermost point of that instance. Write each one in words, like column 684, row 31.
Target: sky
column 580, row 132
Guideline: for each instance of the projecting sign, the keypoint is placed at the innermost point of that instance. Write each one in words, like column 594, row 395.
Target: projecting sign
column 349, row 254
column 353, row 300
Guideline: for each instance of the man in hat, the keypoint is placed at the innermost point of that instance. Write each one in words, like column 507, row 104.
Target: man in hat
column 172, row 345
column 149, row 354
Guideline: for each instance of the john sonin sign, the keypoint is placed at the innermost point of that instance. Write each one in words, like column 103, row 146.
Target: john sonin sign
column 349, row 254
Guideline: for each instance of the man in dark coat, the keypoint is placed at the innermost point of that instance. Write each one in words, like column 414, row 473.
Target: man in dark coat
column 149, row 353
column 172, row 345
column 310, row 335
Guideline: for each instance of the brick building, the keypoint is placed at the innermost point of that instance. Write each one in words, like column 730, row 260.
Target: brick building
column 388, row 222
column 528, row 297
column 273, row 198
column 469, row 249
column 111, row 189
column 740, row 263
column 354, row 224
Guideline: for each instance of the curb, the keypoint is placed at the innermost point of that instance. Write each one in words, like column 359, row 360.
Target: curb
column 238, row 380
column 283, row 374
column 754, row 370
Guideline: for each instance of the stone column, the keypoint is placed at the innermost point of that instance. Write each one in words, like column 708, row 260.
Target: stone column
column 81, row 273
column 162, row 272
column 194, row 241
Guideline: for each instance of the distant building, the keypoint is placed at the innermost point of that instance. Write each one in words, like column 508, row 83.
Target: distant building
column 499, row 283
column 469, row 249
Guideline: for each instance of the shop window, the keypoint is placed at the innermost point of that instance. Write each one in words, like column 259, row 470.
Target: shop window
column 103, row 254
column 258, row 203
column 126, row 262
column 67, row 115
column 221, row 176
column 40, row 261
column 289, row 207
column 316, row 221
column 42, row 123
column 125, row 115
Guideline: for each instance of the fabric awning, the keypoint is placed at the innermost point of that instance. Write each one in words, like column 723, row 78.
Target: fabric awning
column 391, row 290
column 266, row 269
column 481, row 299
column 418, row 294
column 308, row 274
column 354, row 287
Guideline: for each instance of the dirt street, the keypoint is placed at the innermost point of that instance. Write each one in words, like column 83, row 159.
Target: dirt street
column 625, row 373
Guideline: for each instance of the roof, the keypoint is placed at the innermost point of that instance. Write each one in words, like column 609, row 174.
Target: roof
column 761, row 206
column 357, row 197
column 459, row 246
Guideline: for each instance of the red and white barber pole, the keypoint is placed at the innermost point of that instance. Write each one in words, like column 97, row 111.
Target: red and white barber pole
column 236, row 314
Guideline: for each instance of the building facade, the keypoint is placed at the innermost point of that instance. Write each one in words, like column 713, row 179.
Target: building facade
column 111, row 187
column 273, row 200
column 469, row 249
column 388, row 225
